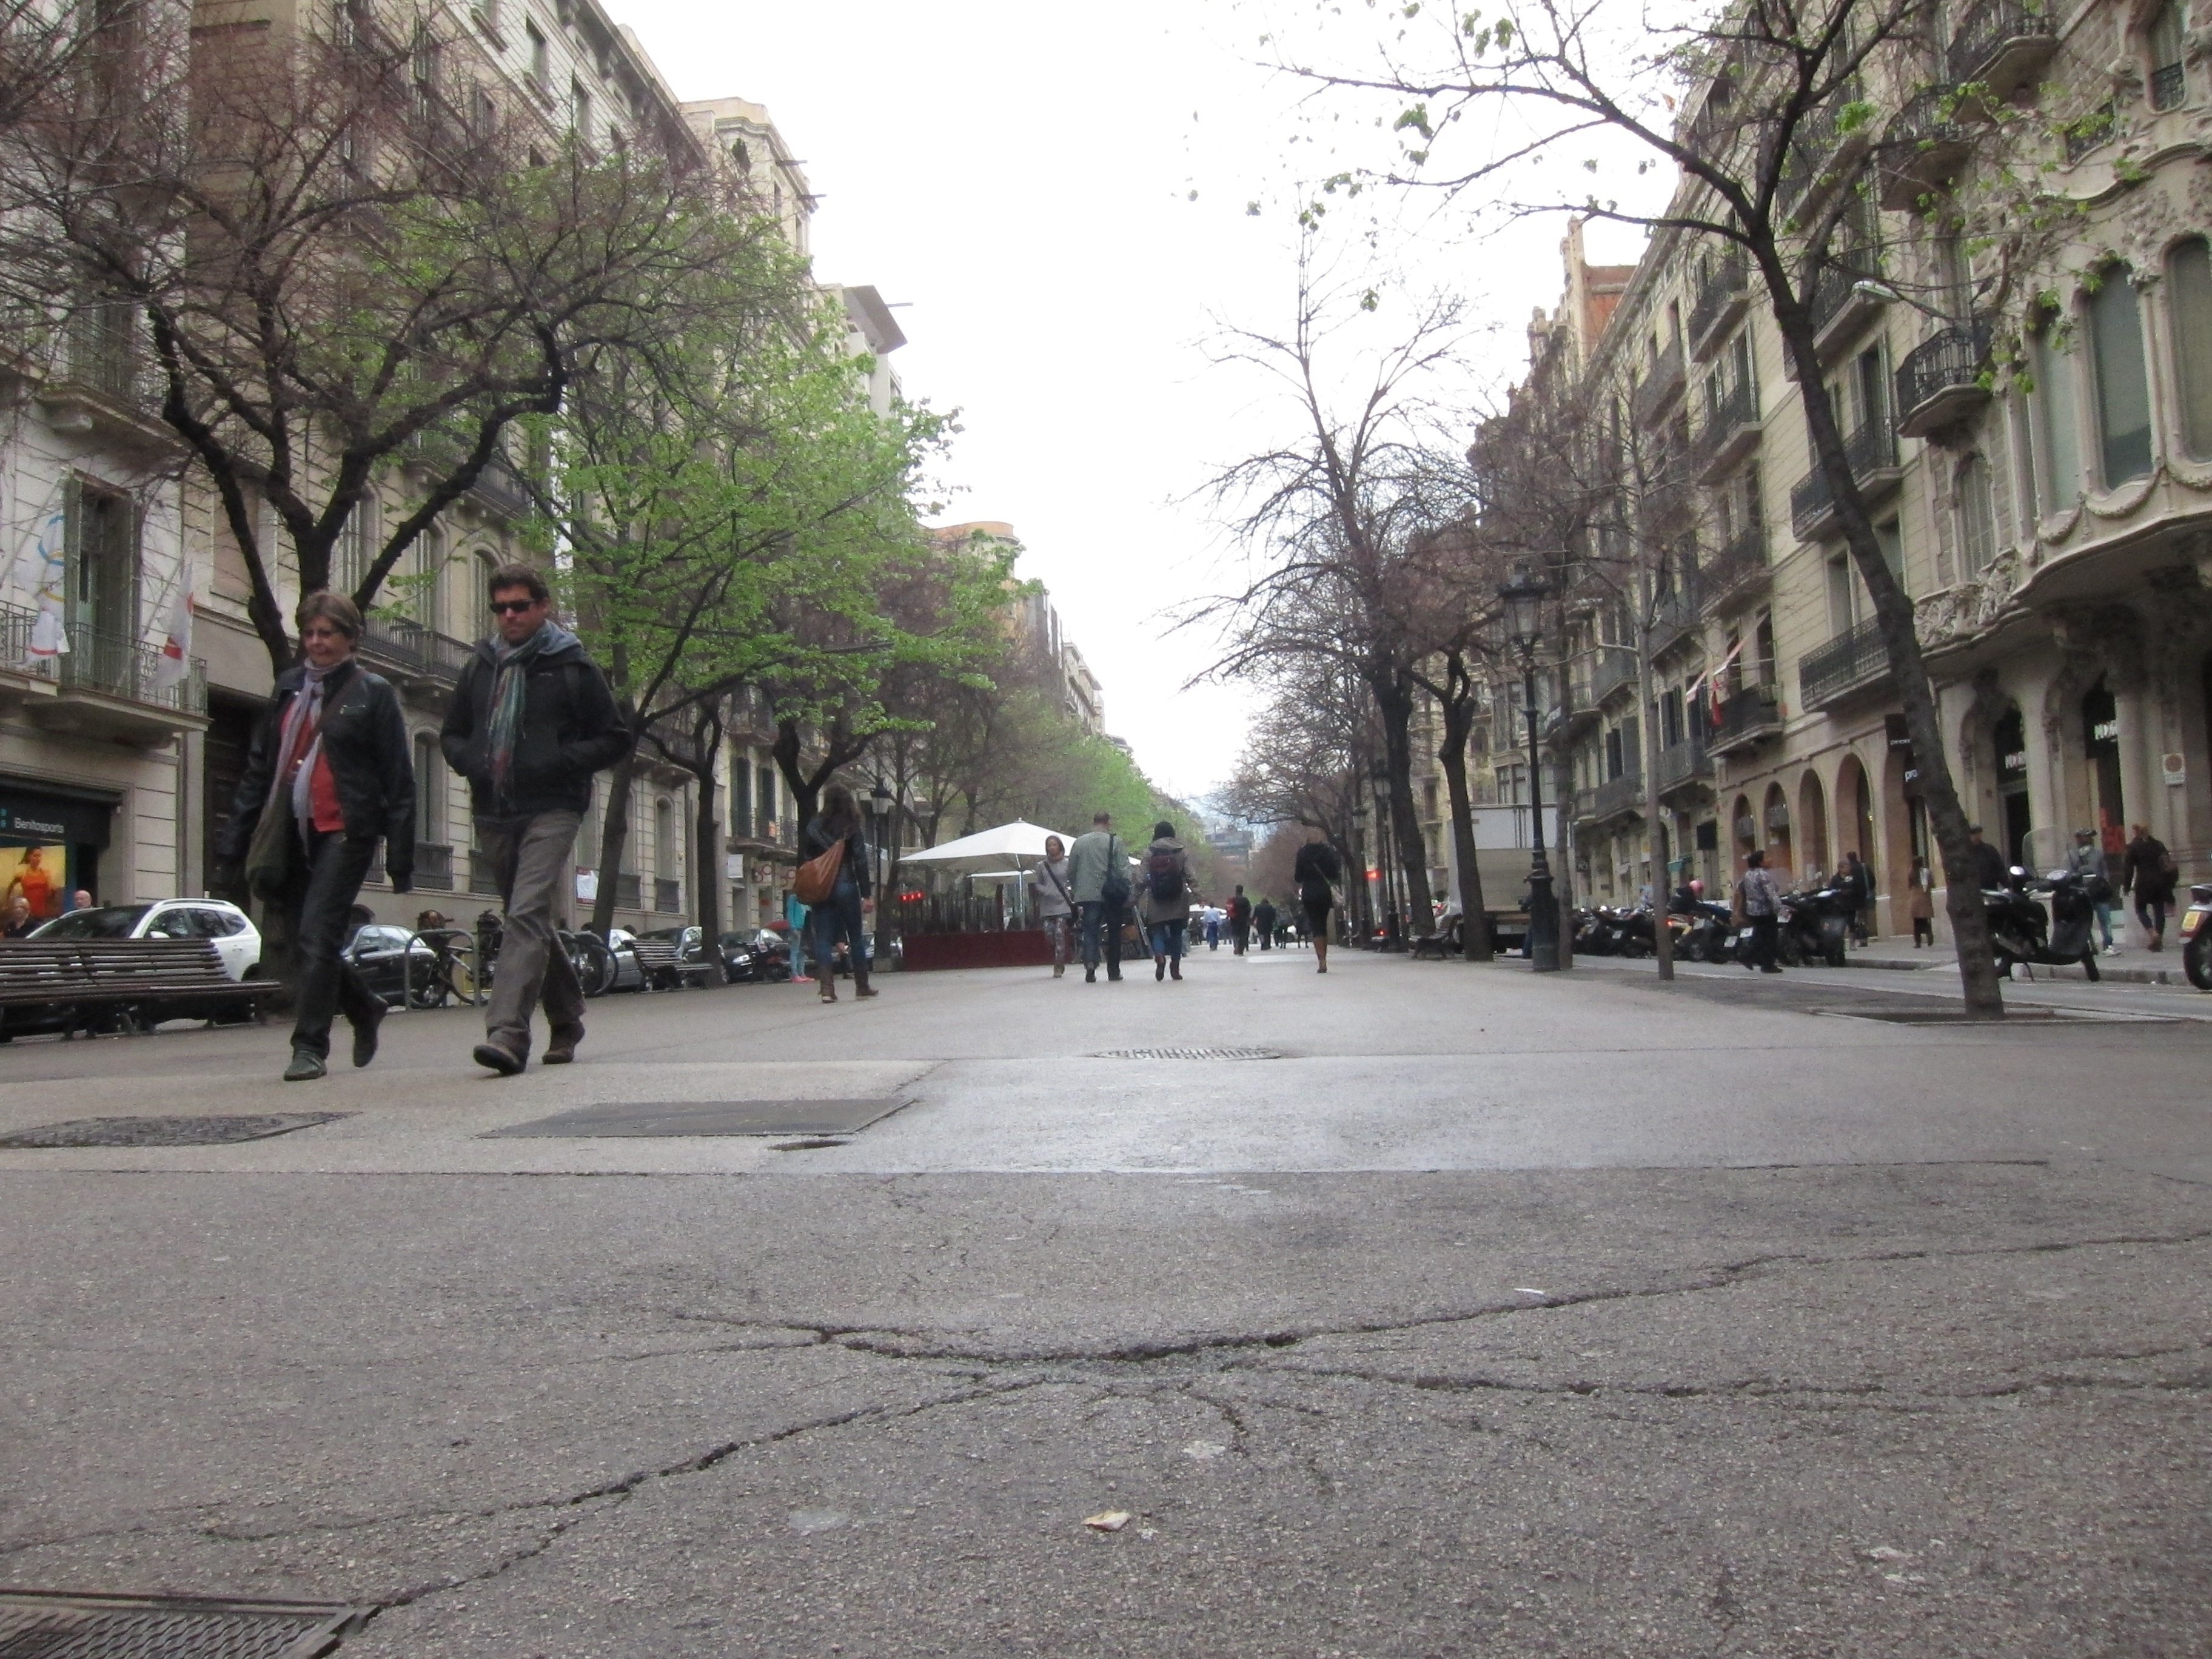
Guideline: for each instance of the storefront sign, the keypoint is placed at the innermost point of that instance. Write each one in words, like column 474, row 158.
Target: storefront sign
column 733, row 867
column 27, row 816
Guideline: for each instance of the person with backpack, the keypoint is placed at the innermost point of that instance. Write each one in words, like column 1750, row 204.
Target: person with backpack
column 1316, row 872
column 530, row 720
column 1098, row 874
column 1166, row 899
column 2149, row 876
column 1263, row 922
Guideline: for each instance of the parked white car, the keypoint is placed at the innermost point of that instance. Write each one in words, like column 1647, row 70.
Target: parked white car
column 237, row 940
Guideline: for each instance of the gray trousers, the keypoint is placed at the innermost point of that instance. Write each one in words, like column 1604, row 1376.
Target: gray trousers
column 530, row 860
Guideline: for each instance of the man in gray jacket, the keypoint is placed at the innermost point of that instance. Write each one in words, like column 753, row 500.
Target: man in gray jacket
column 1094, row 863
column 530, row 720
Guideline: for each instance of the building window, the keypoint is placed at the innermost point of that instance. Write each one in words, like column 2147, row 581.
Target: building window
column 2058, row 438
column 1978, row 517
column 480, row 606
column 540, row 57
column 580, row 101
column 354, row 552
column 2123, row 386
column 2190, row 285
column 430, row 788
column 2168, row 81
column 741, row 801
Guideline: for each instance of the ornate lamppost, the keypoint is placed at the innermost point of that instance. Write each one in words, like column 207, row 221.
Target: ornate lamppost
column 1524, row 598
column 880, row 804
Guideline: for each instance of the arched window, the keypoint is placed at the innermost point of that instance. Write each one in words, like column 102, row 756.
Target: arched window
column 2058, row 436
column 1978, row 517
column 430, row 788
column 2168, row 80
column 2189, row 286
column 2122, row 388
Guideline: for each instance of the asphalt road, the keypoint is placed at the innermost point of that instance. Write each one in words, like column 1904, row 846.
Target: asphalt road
column 1498, row 1315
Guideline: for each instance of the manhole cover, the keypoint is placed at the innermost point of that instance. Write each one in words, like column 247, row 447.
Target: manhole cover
column 666, row 1118
column 163, row 1131
column 1188, row 1054
column 36, row 1625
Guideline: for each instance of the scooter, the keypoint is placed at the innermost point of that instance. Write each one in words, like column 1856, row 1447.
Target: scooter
column 2023, row 933
column 2197, row 936
column 1814, row 928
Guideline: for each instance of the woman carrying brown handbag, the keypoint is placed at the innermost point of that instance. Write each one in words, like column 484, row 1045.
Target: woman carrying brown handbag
column 837, row 828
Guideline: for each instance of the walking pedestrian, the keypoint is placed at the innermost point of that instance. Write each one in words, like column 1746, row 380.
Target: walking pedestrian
column 838, row 823
column 1097, row 871
column 1762, row 909
column 2150, row 877
column 1856, row 882
column 1240, row 921
column 1920, row 904
column 530, row 720
column 1164, row 901
column 1317, row 870
column 2086, row 862
column 328, row 772
column 1213, row 919
column 1055, row 901
column 1263, row 921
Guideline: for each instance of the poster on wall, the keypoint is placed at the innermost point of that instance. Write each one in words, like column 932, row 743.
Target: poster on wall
column 39, row 874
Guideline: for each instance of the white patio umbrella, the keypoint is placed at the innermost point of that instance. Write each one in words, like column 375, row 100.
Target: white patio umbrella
column 1019, row 844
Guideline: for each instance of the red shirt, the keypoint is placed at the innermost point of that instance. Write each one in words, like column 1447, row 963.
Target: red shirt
column 323, row 797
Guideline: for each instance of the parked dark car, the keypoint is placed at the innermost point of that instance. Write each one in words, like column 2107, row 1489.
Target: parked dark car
column 395, row 965
column 757, row 957
column 691, row 954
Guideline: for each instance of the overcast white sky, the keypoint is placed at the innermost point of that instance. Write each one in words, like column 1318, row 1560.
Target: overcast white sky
column 1019, row 176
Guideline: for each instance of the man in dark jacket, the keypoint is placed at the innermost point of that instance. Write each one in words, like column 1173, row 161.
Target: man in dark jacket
column 532, row 719
column 1240, row 922
column 1990, row 871
column 1263, row 922
column 2149, row 876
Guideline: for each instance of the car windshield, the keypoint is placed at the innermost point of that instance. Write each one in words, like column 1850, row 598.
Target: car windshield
column 107, row 922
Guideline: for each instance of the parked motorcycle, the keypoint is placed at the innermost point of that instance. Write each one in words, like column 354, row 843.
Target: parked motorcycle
column 1814, row 927
column 2021, row 931
column 1594, row 933
column 1707, row 932
column 2197, row 936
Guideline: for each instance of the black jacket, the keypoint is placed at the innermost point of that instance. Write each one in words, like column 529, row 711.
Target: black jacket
column 365, row 740
column 1315, row 871
column 815, row 840
column 2144, row 874
column 1990, row 869
column 570, row 729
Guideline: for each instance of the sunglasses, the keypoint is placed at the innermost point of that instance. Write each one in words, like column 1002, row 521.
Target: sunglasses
column 513, row 607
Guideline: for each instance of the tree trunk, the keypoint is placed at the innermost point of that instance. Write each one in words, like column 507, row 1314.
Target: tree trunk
column 1397, row 707
column 613, row 837
column 1474, row 912
column 1893, row 614
column 1662, row 939
column 708, row 852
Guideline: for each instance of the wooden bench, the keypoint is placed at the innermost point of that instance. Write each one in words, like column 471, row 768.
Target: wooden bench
column 77, row 984
column 656, row 958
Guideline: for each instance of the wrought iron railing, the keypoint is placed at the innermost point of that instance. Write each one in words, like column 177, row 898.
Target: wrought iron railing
column 1852, row 658
column 1614, row 669
column 103, row 351
column 1685, row 761
column 1872, row 448
column 1740, row 559
column 1839, row 284
column 1724, row 284
column 1987, row 28
column 1751, row 713
column 1622, row 794
column 500, row 489
column 2088, row 131
column 1735, row 408
column 2168, row 86
column 1660, row 387
column 1950, row 359
column 415, row 647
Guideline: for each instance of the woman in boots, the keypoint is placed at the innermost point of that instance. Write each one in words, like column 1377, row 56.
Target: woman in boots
column 838, row 821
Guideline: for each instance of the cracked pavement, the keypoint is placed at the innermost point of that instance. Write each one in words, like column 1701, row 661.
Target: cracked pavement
column 1504, row 1317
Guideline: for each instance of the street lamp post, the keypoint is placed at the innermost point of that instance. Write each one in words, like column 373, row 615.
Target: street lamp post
column 1379, row 773
column 880, row 804
column 1524, row 598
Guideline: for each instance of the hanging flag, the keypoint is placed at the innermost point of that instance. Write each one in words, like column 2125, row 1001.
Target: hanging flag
column 49, row 638
column 177, row 636
column 1712, row 679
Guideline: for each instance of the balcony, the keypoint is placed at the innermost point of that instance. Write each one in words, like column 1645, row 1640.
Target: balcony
column 1685, row 763
column 1872, row 453
column 2003, row 45
column 1747, row 720
column 1845, row 299
column 1730, row 431
column 1737, row 569
column 499, row 490
column 1615, row 667
column 1720, row 300
column 1923, row 150
column 1659, row 389
column 106, row 685
column 101, row 384
column 1618, row 797
column 1853, row 659
column 1820, row 159
column 413, row 650
column 1940, row 382
column 1677, row 612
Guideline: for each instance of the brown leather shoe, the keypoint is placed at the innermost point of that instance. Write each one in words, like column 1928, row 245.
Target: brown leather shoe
column 498, row 1057
column 561, row 1047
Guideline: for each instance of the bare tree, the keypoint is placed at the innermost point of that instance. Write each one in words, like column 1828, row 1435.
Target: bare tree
column 1778, row 118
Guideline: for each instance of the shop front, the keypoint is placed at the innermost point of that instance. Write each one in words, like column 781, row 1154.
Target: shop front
column 51, row 843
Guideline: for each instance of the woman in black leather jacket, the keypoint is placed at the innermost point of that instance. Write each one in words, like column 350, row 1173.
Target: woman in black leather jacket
column 331, row 756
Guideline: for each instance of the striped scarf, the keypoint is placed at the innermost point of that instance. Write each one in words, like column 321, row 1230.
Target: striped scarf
column 508, row 691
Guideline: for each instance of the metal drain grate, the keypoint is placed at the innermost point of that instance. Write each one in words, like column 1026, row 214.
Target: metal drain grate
column 1188, row 1054
column 39, row 1625
column 164, row 1131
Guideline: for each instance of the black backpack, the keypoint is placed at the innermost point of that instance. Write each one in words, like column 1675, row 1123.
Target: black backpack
column 1164, row 874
